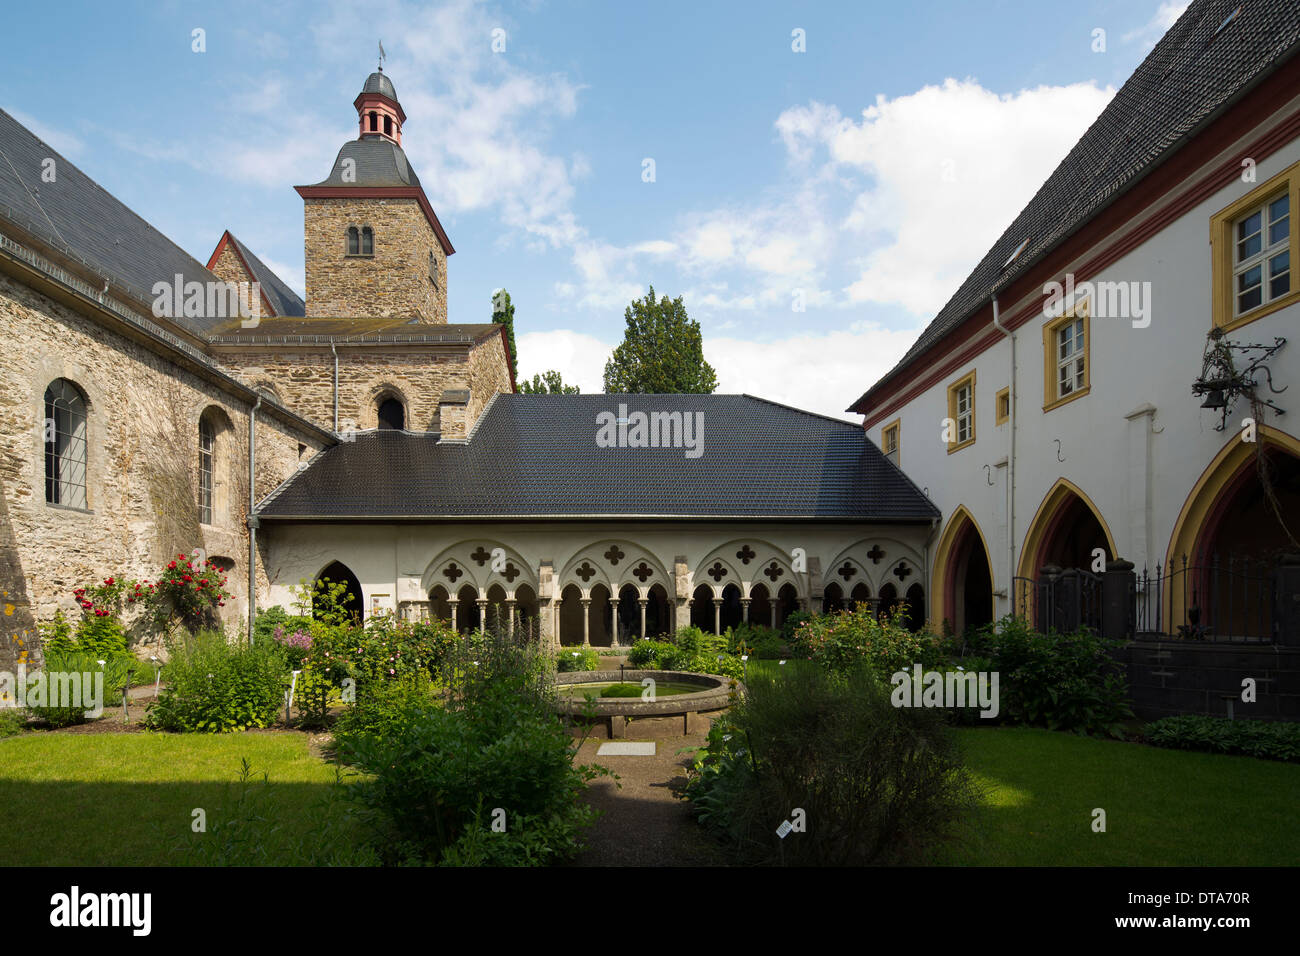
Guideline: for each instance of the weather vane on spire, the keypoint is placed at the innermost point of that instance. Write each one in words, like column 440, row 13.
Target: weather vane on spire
column 382, row 56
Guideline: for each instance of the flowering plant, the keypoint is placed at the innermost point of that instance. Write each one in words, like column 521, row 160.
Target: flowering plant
column 188, row 592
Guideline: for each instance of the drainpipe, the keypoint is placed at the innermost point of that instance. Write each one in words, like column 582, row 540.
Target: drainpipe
column 336, row 386
column 252, row 520
column 1011, row 463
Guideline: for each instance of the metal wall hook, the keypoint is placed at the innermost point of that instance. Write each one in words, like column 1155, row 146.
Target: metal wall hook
column 1059, row 457
column 988, row 474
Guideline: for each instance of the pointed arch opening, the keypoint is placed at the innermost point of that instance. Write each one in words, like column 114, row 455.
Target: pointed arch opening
column 962, row 583
column 1239, row 519
column 351, row 601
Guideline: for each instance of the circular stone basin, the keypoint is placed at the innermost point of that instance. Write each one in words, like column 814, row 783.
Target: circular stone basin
column 676, row 692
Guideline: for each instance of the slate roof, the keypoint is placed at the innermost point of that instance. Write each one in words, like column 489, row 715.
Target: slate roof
column 75, row 216
column 283, row 299
column 378, row 162
column 536, row 456
column 1190, row 75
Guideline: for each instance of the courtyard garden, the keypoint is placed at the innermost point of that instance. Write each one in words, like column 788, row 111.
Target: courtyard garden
column 322, row 742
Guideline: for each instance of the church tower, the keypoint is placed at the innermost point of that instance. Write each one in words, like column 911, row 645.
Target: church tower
column 374, row 246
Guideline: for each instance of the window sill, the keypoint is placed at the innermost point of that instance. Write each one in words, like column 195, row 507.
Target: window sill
column 73, row 508
column 358, row 255
column 1260, row 311
column 1078, row 393
column 958, row 446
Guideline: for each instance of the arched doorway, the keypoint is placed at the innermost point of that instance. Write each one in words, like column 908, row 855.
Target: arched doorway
column 629, row 615
column 732, row 612
column 915, row 619
column 439, row 606
column 861, row 594
column 468, row 617
column 572, row 630
column 526, row 625
column 761, row 609
column 787, row 602
column 391, row 414
column 601, row 617
column 832, row 598
column 963, row 576
column 1066, row 532
column 702, row 609
column 351, row 601
column 888, row 600
column 1242, row 515
column 658, row 617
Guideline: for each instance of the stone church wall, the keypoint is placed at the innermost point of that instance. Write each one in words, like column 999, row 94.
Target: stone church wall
column 142, row 462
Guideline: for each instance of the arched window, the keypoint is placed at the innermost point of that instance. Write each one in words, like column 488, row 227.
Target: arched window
column 207, row 452
column 367, row 242
column 65, row 444
column 374, row 122
column 391, row 414
column 388, row 126
column 354, row 241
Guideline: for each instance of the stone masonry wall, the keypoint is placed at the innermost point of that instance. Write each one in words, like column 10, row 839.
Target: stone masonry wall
column 393, row 282
column 416, row 375
column 142, row 462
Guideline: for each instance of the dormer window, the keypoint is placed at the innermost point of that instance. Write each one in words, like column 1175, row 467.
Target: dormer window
column 354, row 241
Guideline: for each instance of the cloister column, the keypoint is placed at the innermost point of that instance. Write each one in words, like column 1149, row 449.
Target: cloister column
column 613, row 622
column 744, row 604
column 771, row 604
column 586, row 622
column 454, row 605
column 717, row 615
column 642, row 602
column 482, row 613
column 510, row 618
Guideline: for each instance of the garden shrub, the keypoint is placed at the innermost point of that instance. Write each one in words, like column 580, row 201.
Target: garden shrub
column 1252, row 738
column 13, row 721
column 758, row 642
column 877, row 783
column 793, row 623
column 439, row 777
column 1058, row 681
column 386, row 706
column 115, row 670
column 215, row 685
column 577, row 659
column 851, row 639
column 646, row 654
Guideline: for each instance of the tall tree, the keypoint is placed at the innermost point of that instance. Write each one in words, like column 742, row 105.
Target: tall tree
column 548, row 383
column 503, row 313
column 662, row 351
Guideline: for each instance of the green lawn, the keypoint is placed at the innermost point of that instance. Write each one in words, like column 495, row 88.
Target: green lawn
column 127, row 799
column 1163, row 807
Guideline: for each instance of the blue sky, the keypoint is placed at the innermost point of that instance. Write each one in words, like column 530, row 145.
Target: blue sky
column 862, row 178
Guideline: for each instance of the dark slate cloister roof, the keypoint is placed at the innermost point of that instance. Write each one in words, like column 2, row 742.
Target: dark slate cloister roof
column 378, row 162
column 1203, row 62
column 283, row 299
column 537, row 456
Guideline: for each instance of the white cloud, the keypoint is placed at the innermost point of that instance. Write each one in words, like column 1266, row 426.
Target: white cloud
column 579, row 358
column 1166, row 16
column 64, row 142
column 818, row 372
column 821, row 373
column 947, row 168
